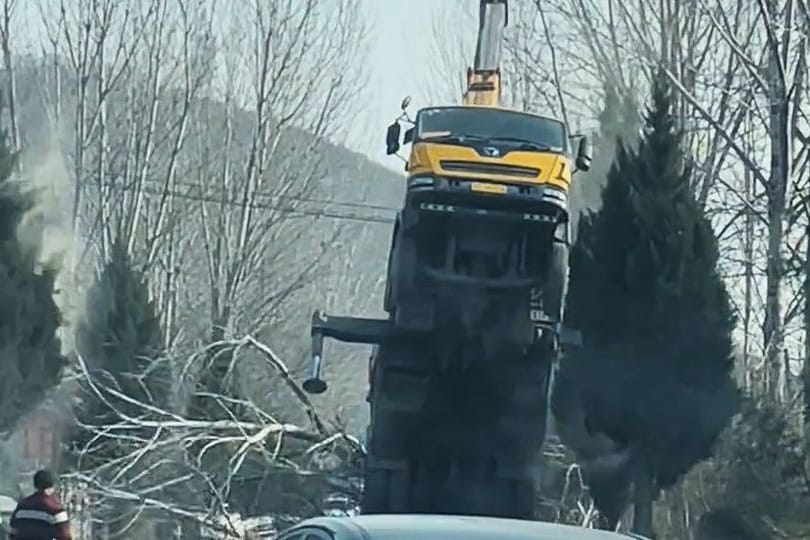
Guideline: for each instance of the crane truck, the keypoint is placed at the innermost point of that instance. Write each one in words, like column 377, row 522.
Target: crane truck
column 460, row 370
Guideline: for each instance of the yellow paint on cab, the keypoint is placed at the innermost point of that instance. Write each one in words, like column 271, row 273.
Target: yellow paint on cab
column 426, row 158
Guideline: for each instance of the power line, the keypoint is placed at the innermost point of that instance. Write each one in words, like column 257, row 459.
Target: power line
column 298, row 198
column 322, row 212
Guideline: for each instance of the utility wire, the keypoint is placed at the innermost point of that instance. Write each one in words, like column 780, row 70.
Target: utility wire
column 278, row 207
column 298, row 198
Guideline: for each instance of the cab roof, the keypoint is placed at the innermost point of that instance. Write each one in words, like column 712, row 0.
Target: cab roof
column 494, row 107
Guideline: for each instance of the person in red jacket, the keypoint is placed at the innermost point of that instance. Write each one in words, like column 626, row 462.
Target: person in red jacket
column 40, row 516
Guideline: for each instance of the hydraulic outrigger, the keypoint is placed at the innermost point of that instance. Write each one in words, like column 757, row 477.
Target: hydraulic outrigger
column 379, row 331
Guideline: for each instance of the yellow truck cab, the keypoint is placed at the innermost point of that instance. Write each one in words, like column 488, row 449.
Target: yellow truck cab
column 486, row 204
column 486, row 151
column 505, row 158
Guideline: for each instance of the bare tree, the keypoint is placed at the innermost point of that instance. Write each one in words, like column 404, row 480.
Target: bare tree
column 296, row 103
column 775, row 70
column 452, row 42
column 148, row 476
column 10, row 91
column 261, row 173
column 98, row 39
column 135, row 70
column 164, row 82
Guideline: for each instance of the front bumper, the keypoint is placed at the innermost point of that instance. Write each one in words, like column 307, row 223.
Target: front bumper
column 527, row 202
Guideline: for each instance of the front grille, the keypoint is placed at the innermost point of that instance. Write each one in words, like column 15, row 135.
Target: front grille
column 472, row 167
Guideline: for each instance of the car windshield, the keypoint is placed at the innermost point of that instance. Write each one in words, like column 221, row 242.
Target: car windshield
column 491, row 124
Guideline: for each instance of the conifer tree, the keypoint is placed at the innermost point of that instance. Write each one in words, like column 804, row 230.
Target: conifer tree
column 654, row 374
column 121, row 341
column 31, row 361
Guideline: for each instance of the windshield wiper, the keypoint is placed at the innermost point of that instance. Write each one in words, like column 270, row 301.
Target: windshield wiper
column 523, row 144
column 455, row 138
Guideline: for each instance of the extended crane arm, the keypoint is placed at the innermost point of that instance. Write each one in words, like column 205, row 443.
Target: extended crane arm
column 484, row 78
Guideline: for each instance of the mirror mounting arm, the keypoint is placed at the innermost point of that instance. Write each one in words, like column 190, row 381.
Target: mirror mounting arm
column 406, row 117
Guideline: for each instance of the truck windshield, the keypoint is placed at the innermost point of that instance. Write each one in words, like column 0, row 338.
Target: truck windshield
column 490, row 124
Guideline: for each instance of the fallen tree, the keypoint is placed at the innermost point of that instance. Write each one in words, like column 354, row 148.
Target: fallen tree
column 162, row 478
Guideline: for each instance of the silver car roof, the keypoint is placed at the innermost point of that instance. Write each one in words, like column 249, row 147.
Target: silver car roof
column 442, row 527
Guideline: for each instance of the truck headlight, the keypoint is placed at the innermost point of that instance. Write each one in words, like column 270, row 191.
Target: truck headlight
column 421, row 182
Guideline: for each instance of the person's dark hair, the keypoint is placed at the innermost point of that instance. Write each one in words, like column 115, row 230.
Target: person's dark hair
column 43, row 479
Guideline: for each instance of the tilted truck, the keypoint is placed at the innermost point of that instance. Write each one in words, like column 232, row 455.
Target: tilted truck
column 460, row 371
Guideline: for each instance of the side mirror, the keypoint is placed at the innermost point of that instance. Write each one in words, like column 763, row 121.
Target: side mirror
column 584, row 154
column 405, row 102
column 392, row 139
column 408, row 137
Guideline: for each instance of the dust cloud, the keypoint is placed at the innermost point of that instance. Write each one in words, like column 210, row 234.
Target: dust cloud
column 47, row 230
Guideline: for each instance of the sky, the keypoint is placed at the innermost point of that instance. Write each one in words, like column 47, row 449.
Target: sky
column 400, row 50
column 400, row 45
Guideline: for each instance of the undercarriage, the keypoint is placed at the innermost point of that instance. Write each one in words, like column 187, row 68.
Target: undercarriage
column 460, row 370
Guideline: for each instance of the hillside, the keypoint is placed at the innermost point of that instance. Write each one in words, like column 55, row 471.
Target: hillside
column 328, row 224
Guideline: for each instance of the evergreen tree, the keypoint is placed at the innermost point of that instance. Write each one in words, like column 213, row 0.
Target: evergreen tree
column 654, row 374
column 30, row 351
column 121, row 341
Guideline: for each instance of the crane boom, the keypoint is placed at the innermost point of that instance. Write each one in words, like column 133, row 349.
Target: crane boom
column 484, row 78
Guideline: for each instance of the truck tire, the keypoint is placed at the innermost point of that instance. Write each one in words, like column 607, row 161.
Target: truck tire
column 388, row 304
column 403, row 301
column 555, row 287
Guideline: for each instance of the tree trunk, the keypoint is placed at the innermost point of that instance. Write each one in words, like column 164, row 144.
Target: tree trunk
column 748, row 250
column 806, row 364
column 780, row 171
column 643, row 500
